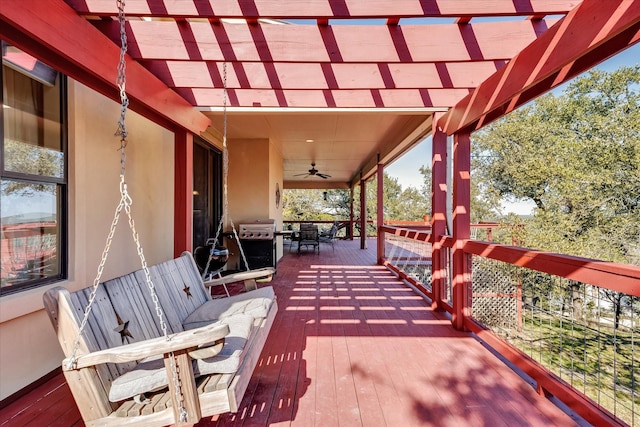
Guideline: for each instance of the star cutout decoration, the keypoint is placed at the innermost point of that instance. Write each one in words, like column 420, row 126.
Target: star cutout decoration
column 187, row 290
column 122, row 329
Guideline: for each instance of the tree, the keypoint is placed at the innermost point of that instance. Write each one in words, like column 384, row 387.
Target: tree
column 577, row 157
column 310, row 205
column 399, row 204
column 482, row 208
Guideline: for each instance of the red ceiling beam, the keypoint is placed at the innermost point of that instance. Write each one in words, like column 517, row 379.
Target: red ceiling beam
column 591, row 33
column 256, row 75
column 70, row 44
column 486, row 41
column 325, row 9
column 360, row 98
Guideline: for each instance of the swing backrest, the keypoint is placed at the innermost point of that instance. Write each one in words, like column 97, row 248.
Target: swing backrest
column 125, row 303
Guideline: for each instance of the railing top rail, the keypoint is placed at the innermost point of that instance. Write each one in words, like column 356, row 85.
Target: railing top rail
column 609, row 275
column 409, row 233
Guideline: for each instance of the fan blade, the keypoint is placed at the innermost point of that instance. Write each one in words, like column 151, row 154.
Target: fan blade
column 301, row 174
column 323, row 175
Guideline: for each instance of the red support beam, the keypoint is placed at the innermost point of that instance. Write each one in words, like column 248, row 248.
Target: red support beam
column 438, row 213
column 71, row 45
column 364, row 98
column 380, row 213
column 317, row 75
column 325, row 9
column 183, row 194
column 589, row 34
column 363, row 214
column 461, row 280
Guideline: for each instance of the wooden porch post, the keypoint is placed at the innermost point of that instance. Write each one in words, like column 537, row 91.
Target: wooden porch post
column 350, row 230
column 363, row 214
column 380, row 212
column 438, row 213
column 461, row 228
column 183, row 193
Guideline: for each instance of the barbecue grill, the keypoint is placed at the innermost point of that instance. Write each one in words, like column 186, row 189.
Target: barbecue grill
column 257, row 239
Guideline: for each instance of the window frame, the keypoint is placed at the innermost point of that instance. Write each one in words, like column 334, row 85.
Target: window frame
column 62, row 186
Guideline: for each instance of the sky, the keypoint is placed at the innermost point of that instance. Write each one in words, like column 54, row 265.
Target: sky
column 406, row 168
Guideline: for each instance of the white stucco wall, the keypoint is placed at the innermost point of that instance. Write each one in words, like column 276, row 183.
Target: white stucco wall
column 28, row 346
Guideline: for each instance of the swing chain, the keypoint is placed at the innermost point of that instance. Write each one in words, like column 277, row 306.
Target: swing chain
column 105, row 253
column 225, row 173
column 126, row 202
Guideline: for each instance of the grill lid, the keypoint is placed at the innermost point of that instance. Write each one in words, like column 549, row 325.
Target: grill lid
column 259, row 229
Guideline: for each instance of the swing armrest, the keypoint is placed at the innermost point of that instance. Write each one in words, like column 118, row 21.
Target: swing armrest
column 242, row 276
column 152, row 347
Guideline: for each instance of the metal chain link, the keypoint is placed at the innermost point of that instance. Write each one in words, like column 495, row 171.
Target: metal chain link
column 126, row 202
column 225, row 174
column 96, row 281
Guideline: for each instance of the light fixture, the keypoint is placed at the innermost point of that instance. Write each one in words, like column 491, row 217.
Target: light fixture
column 309, row 140
column 325, row 195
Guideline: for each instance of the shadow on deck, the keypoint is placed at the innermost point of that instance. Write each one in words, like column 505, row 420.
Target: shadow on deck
column 353, row 346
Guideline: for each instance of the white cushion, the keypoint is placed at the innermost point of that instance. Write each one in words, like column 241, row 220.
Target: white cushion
column 232, row 353
column 255, row 303
column 150, row 374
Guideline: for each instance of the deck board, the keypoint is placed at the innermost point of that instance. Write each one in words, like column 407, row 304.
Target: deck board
column 352, row 346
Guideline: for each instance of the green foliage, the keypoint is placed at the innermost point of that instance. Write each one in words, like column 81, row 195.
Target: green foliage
column 309, row 205
column 30, row 159
column 577, row 157
column 408, row 204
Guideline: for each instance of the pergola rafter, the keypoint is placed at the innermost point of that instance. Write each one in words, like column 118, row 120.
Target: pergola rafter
column 589, row 34
column 315, row 75
column 332, row 66
column 196, row 41
column 327, row 98
column 326, row 9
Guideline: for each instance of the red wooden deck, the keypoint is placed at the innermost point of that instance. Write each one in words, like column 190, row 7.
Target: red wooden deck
column 352, row 346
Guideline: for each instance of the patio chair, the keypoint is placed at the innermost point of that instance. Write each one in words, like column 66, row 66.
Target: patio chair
column 329, row 236
column 309, row 237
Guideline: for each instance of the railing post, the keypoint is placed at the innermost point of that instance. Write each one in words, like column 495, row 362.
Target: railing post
column 461, row 228
column 438, row 214
column 380, row 213
column 363, row 214
column 350, row 229
column 183, row 193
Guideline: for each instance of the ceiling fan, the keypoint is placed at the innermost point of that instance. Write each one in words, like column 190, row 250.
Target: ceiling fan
column 314, row 172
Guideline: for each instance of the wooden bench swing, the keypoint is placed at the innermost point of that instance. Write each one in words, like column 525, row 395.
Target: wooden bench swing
column 152, row 347
column 212, row 363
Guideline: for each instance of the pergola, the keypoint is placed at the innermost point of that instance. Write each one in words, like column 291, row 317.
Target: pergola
column 350, row 88
column 363, row 80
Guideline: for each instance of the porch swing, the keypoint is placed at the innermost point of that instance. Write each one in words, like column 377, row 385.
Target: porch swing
column 179, row 355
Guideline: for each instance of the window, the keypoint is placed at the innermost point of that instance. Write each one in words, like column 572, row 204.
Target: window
column 33, row 182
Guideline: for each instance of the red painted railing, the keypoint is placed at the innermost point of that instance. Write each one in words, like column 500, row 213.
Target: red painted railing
column 522, row 302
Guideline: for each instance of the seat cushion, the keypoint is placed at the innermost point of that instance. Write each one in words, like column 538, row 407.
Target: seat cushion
column 232, row 353
column 254, row 303
column 150, row 374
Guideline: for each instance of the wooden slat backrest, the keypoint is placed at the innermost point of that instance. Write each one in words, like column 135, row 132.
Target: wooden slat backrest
column 101, row 329
column 171, row 280
column 128, row 299
column 92, row 384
